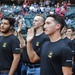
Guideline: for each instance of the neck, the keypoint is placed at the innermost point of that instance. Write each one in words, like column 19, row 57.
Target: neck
column 55, row 37
column 71, row 37
column 39, row 30
column 7, row 34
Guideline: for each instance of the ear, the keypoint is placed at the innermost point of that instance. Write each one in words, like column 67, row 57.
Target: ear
column 42, row 23
column 58, row 26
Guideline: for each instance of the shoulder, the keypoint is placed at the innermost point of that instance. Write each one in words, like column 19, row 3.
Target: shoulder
column 66, row 49
column 45, row 36
column 14, row 38
column 66, row 40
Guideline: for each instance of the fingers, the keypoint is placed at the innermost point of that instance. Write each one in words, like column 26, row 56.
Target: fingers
column 30, row 34
column 19, row 27
column 30, row 31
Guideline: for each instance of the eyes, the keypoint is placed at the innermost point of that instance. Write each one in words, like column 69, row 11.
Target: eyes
column 4, row 23
column 47, row 22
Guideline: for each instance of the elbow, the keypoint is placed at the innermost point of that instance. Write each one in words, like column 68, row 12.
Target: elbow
column 68, row 73
column 17, row 59
column 32, row 61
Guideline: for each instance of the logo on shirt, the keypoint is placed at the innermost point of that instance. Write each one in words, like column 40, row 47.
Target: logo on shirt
column 4, row 44
column 50, row 54
column 37, row 44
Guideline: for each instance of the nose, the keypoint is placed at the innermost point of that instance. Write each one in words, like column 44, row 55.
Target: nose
column 2, row 25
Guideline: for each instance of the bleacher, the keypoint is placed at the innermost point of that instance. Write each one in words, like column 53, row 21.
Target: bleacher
column 28, row 18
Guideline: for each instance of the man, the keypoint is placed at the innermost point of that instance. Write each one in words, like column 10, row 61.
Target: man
column 65, row 38
column 55, row 56
column 9, row 48
column 39, row 39
column 70, row 35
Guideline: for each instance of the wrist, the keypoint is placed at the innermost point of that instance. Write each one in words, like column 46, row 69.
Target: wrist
column 29, row 41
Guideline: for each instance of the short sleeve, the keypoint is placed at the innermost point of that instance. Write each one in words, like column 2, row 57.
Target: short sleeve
column 66, row 56
column 15, row 46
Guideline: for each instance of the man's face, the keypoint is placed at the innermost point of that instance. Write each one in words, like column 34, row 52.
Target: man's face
column 50, row 26
column 37, row 22
column 69, row 32
column 5, row 26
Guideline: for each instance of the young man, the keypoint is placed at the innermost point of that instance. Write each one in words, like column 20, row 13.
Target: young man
column 55, row 56
column 70, row 35
column 39, row 39
column 9, row 48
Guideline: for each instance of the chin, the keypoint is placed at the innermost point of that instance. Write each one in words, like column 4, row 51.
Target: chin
column 3, row 31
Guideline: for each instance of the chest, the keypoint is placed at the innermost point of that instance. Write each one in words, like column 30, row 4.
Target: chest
column 51, row 52
column 5, row 44
column 37, row 43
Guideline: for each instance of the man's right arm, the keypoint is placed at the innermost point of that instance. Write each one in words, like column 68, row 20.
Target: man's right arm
column 31, row 53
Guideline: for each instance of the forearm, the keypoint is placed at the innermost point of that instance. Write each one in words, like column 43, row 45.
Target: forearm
column 67, row 71
column 30, row 51
column 14, row 66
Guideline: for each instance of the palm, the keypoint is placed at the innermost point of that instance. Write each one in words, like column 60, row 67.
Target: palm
column 30, row 35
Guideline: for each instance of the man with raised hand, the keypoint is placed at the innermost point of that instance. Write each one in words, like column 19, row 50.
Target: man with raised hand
column 55, row 56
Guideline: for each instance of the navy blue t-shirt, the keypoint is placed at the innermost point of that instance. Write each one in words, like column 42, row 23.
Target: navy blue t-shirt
column 54, row 55
column 9, row 45
column 37, row 42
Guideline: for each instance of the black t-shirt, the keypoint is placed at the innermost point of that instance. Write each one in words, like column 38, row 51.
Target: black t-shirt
column 67, row 41
column 70, row 43
column 54, row 55
column 73, row 47
column 9, row 45
column 37, row 43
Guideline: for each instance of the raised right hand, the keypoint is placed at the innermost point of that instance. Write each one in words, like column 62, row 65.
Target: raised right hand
column 30, row 34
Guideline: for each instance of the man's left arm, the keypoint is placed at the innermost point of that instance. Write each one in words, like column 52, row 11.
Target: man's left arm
column 67, row 70
column 67, row 61
column 16, row 58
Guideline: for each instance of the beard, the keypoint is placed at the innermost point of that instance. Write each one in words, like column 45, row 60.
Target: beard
column 5, row 31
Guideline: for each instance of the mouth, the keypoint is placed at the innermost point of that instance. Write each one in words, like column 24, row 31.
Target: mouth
column 2, row 28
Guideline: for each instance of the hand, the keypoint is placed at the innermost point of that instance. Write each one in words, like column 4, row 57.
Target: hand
column 19, row 27
column 30, row 34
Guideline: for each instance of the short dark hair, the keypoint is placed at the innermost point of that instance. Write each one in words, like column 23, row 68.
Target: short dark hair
column 58, row 19
column 41, row 15
column 70, row 27
column 10, row 19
